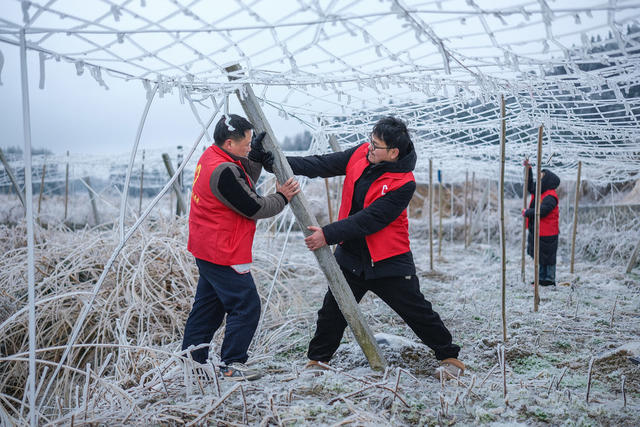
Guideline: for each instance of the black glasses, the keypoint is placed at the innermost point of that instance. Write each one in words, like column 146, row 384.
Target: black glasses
column 376, row 147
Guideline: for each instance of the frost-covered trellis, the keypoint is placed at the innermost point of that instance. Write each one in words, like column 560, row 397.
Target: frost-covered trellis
column 337, row 66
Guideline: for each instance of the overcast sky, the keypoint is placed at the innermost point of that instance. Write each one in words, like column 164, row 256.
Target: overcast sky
column 74, row 113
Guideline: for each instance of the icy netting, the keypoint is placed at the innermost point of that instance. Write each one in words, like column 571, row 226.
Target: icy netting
column 337, row 66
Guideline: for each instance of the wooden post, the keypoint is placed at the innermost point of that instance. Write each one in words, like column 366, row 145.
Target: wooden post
column 503, row 241
column 92, row 198
column 469, row 207
column 536, row 230
column 141, row 184
column 634, row 257
column 181, row 207
column 430, row 215
column 333, row 143
column 488, row 211
column 451, row 213
column 44, row 171
column 326, row 185
column 440, row 215
column 66, row 187
column 466, row 190
column 525, row 193
column 575, row 217
column 12, row 177
column 300, row 207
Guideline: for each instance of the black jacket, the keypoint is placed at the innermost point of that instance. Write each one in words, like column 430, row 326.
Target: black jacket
column 352, row 252
column 548, row 244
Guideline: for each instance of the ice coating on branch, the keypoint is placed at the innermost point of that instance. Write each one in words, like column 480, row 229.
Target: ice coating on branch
column 41, row 58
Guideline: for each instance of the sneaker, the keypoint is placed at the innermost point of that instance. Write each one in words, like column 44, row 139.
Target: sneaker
column 314, row 365
column 450, row 368
column 239, row 372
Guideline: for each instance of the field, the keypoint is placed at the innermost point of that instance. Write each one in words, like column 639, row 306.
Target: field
column 569, row 363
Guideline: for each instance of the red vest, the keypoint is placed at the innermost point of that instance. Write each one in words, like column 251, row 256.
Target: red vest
column 394, row 238
column 217, row 233
column 549, row 225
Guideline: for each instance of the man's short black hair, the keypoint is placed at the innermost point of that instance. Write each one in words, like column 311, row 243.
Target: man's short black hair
column 394, row 133
column 222, row 133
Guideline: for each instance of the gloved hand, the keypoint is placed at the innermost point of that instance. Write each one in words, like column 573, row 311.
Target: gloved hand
column 258, row 153
column 526, row 163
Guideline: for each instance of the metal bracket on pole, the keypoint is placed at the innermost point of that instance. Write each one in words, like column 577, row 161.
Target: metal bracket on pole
column 300, row 207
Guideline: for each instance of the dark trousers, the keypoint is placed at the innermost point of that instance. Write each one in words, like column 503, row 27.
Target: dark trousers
column 222, row 291
column 547, row 273
column 403, row 296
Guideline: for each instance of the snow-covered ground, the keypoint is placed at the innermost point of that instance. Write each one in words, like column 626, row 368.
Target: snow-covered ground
column 589, row 323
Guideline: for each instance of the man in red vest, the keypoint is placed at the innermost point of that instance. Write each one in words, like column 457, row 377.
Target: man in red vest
column 372, row 235
column 549, row 224
column 222, row 223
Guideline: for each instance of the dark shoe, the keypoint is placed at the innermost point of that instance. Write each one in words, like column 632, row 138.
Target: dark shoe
column 547, row 283
column 239, row 372
column 450, row 368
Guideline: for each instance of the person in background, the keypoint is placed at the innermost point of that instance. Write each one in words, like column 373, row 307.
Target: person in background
column 372, row 237
column 222, row 223
column 549, row 224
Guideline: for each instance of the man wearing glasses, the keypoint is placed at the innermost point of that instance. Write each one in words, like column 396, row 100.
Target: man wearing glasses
column 372, row 237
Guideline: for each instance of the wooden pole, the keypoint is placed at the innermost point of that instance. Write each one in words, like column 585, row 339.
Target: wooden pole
column 525, row 193
column 333, row 143
column 92, row 198
column 440, row 188
column 66, row 187
column 575, row 217
column 326, row 185
column 469, row 207
column 536, row 231
column 12, row 178
column 300, row 207
column 44, row 171
column 451, row 213
column 181, row 207
column 503, row 240
column 466, row 190
column 430, row 215
column 634, row 257
column 141, row 184
column 488, row 211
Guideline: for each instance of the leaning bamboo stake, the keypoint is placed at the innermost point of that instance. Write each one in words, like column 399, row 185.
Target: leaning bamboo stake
column 300, row 207
column 503, row 242
column 466, row 189
column 181, row 207
column 44, row 171
column 12, row 178
column 66, row 187
column 575, row 217
column 536, row 230
column 430, row 215
column 524, row 223
column 31, row 297
column 92, row 198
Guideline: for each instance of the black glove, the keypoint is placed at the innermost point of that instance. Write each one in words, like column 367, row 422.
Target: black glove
column 258, row 153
